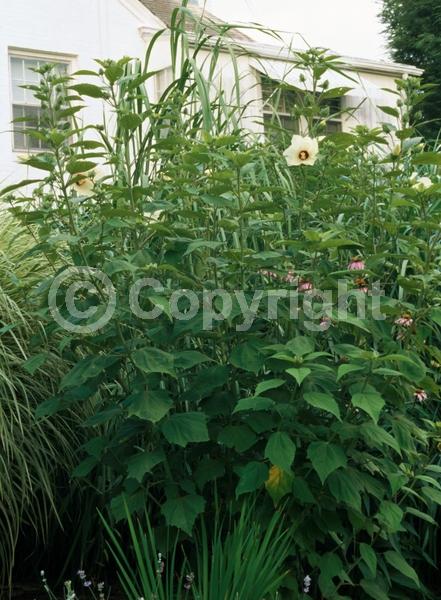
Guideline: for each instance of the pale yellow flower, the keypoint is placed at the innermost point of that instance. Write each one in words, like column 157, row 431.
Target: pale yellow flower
column 84, row 186
column 303, row 151
column 420, row 183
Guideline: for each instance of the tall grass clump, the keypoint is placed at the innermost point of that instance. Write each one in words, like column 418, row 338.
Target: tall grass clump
column 33, row 452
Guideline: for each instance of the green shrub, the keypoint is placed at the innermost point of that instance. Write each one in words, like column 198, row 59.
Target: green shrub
column 330, row 411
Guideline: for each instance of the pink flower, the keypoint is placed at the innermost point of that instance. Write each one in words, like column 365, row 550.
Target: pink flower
column 305, row 285
column 420, row 395
column 405, row 320
column 325, row 323
column 356, row 264
column 290, row 277
column 269, row 274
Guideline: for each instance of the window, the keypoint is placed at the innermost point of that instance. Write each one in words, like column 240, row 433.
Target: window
column 24, row 105
column 280, row 105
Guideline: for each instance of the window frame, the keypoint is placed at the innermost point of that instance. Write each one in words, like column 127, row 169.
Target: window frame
column 284, row 114
column 32, row 55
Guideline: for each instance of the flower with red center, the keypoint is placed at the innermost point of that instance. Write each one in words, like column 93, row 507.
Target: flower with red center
column 420, row 395
column 405, row 320
column 302, row 151
column 305, row 285
column 356, row 264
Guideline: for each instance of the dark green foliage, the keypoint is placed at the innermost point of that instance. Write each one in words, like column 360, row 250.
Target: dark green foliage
column 414, row 31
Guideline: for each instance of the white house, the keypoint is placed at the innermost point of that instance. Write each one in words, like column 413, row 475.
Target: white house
column 75, row 33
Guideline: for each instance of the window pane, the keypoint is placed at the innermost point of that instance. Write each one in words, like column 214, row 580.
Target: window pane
column 17, row 68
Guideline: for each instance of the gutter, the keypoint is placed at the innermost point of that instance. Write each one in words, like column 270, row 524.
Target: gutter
column 261, row 50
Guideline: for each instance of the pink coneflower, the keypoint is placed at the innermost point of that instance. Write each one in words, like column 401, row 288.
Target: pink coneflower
column 362, row 284
column 290, row 277
column 305, row 285
column 325, row 323
column 405, row 320
column 420, row 395
column 356, row 264
column 269, row 274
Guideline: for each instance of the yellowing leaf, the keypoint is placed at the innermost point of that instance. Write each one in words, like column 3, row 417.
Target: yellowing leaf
column 279, row 483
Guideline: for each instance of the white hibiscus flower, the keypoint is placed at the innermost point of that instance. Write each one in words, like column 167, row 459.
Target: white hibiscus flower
column 303, row 151
column 420, row 183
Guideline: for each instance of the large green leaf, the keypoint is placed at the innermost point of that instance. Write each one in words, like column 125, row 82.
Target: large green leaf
column 301, row 345
column 269, row 384
column 239, row 437
column 371, row 403
column 323, row 401
column 252, row 477
column 299, row 374
column 152, row 405
column 184, row 428
column 247, row 356
column 373, row 589
column 280, row 450
column 153, row 360
column 253, row 403
column 397, row 561
column 182, row 512
column 344, row 487
column 143, row 463
column 369, row 556
column 326, row 458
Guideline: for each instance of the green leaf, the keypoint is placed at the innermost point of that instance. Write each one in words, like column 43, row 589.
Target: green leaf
column 371, row 403
column 198, row 244
column 345, row 369
column 299, row 374
column 280, row 450
column 85, row 467
column 390, row 516
column 247, row 356
column 130, row 121
column 187, row 359
column 279, row 483
column 253, row 403
column 88, row 89
column 376, row 436
column 182, row 512
column 151, row 405
column 269, row 384
column 427, row 158
column 330, row 567
column 344, row 488
column 252, row 477
column 370, row 558
column 35, row 362
column 424, row 516
column 410, row 366
column 143, row 463
column 301, row 345
column 239, row 437
column 323, row 402
column 208, row 470
column 326, row 458
column 153, row 360
column 373, row 589
column 432, row 494
column 80, row 166
column 183, row 428
column 400, row 564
